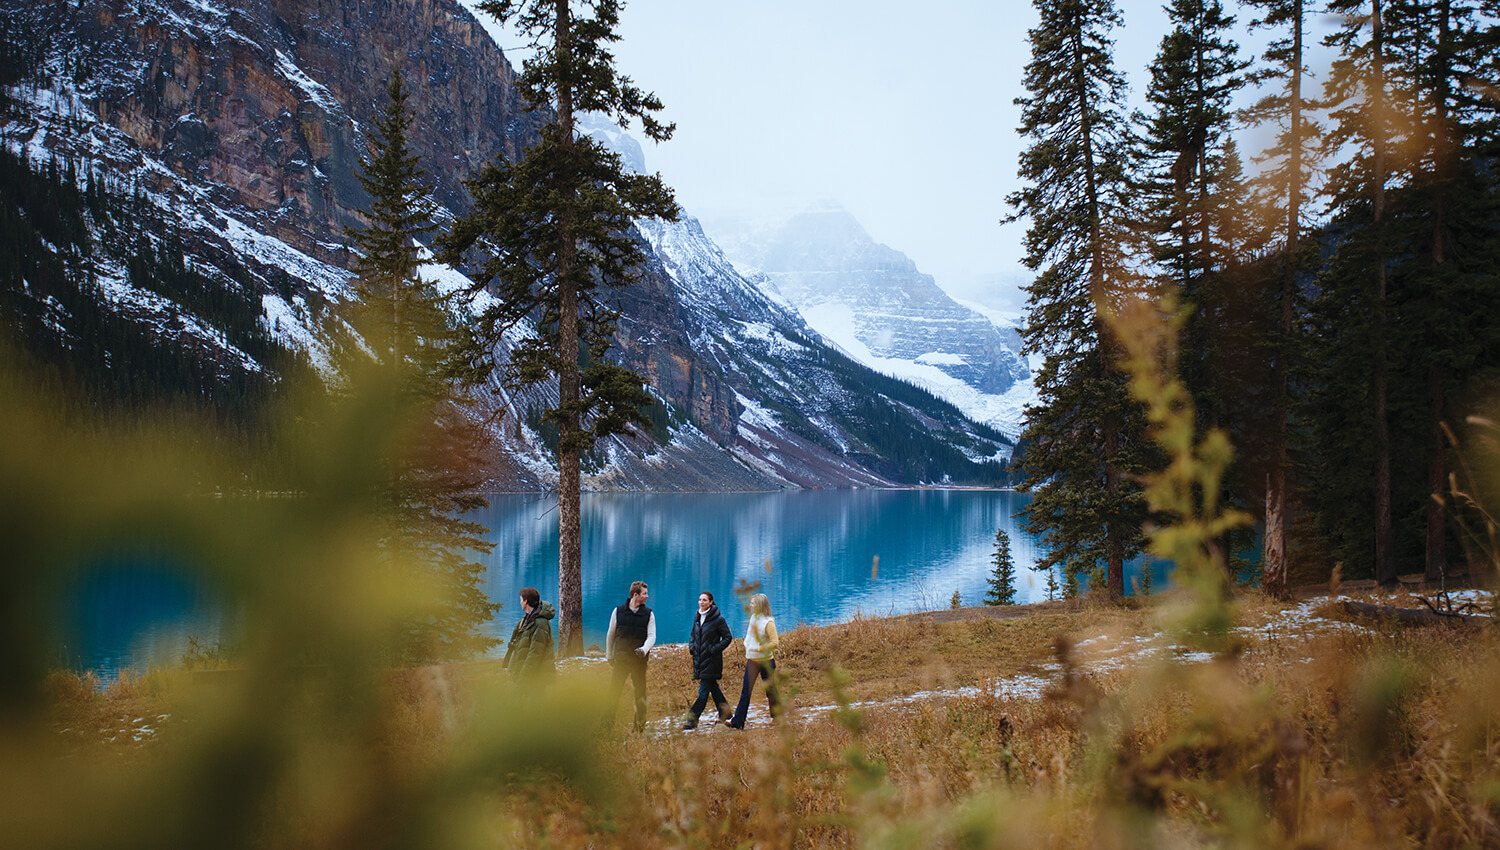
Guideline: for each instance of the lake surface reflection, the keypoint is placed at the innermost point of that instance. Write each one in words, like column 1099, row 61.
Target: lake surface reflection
column 821, row 546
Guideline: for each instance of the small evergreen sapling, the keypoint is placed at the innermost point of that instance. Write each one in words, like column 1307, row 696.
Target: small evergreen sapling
column 1003, row 579
column 957, row 601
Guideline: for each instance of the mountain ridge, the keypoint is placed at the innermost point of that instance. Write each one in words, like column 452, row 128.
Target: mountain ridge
column 244, row 123
column 872, row 302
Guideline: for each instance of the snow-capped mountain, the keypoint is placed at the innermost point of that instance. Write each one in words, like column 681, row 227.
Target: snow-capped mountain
column 222, row 138
column 873, row 303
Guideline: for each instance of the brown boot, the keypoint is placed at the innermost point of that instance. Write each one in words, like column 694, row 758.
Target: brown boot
column 725, row 712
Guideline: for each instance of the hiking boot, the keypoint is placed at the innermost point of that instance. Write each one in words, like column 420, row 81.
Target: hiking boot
column 690, row 724
column 725, row 712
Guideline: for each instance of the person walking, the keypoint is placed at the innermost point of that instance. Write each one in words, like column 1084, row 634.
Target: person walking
column 529, row 657
column 627, row 646
column 706, row 643
column 760, row 660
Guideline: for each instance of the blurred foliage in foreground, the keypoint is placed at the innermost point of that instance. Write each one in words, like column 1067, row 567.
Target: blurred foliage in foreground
column 310, row 738
column 1382, row 736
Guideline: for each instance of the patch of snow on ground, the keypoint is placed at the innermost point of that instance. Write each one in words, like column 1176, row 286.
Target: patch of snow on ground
column 449, row 283
column 1100, row 654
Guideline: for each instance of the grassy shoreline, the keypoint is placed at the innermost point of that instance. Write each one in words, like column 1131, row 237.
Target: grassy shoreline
column 1318, row 730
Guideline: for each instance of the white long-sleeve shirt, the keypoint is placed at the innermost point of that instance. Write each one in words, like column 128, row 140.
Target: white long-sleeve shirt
column 609, row 636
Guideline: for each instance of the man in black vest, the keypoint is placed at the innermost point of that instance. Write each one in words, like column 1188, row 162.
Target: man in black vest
column 627, row 645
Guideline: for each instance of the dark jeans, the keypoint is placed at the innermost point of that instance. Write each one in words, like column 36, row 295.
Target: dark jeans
column 632, row 665
column 707, row 688
column 756, row 670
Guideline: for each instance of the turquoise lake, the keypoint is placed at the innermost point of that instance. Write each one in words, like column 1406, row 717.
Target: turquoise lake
column 821, row 547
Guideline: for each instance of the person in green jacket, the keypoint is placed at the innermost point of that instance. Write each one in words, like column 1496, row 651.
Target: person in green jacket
column 529, row 657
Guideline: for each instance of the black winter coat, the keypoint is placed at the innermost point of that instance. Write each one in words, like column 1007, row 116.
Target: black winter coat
column 707, row 644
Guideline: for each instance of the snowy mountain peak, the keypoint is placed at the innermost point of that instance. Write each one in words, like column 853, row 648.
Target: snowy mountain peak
column 872, row 302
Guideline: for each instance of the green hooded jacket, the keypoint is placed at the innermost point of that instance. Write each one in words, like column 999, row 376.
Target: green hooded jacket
column 529, row 656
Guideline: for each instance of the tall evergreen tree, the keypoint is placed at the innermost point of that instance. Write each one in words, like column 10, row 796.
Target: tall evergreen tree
column 396, row 301
column 432, row 472
column 1443, row 61
column 1358, row 88
column 1190, row 198
column 1085, row 434
column 1284, row 186
column 553, row 227
column 1187, row 178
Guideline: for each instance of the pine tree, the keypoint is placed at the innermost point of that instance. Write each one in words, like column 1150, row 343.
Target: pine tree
column 1442, row 62
column 1186, row 179
column 1283, row 186
column 1410, row 286
column 432, row 473
column 1191, row 199
column 1358, row 88
column 552, row 228
column 1003, row 579
column 401, row 213
column 1085, row 435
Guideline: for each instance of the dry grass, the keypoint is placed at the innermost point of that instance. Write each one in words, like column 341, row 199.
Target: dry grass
column 1340, row 736
column 1358, row 738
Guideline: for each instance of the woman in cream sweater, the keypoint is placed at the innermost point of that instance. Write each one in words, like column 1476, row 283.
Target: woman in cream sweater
column 760, row 659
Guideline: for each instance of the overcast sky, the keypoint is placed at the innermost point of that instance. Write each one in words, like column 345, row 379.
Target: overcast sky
column 902, row 112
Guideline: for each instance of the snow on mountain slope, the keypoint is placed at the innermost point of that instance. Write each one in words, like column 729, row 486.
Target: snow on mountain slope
column 784, row 374
column 872, row 303
column 241, row 130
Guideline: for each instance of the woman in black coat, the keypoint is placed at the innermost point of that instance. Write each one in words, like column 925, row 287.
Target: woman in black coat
column 709, row 639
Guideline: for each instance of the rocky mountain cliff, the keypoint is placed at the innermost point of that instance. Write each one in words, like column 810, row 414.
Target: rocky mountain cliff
column 237, row 125
column 873, row 302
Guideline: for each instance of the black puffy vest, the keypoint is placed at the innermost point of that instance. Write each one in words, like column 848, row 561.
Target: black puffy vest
column 630, row 628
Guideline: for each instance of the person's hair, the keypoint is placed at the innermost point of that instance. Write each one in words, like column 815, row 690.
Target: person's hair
column 531, row 596
column 759, row 604
column 708, row 594
column 636, row 587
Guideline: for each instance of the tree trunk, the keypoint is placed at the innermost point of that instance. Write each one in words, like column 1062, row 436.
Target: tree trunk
column 1274, row 566
column 1412, row 616
column 1114, row 561
column 1385, row 538
column 1437, row 561
column 1115, row 547
column 1437, row 476
column 569, row 472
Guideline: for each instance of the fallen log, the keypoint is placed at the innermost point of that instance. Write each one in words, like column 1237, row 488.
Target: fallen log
column 1411, row 616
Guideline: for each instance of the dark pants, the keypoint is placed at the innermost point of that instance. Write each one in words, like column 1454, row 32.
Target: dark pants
column 632, row 665
column 707, row 688
column 756, row 670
